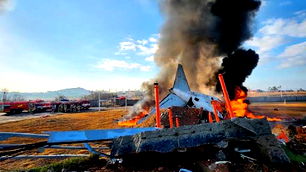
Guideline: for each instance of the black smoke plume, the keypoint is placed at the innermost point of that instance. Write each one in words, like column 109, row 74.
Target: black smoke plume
column 233, row 23
column 236, row 68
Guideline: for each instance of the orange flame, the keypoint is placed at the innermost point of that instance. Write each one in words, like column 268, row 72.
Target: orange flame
column 240, row 107
column 134, row 120
column 283, row 136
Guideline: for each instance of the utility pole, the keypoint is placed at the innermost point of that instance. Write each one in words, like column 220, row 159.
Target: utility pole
column 4, row 97
column 3, row 101
column 125, row 102
column 99, row 102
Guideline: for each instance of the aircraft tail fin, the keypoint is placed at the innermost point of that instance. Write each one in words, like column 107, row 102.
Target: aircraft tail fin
column 180, row 79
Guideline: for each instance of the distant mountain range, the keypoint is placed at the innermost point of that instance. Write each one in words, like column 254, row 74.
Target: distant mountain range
column 71, row 93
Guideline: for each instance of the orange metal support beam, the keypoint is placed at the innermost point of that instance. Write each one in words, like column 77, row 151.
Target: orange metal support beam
column 226, row 96
column 210, row 118
column 157, row 105
column 215, row 112
column 177, row 122
column 170, row 115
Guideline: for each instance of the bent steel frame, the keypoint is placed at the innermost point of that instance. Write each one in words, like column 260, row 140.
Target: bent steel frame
column 55, row 138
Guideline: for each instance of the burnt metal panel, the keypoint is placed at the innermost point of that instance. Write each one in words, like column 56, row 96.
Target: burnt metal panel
column 93, row 135
column 169, row 101
column 7, row 135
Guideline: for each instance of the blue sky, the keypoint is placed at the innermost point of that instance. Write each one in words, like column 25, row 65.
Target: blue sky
column 106, row 44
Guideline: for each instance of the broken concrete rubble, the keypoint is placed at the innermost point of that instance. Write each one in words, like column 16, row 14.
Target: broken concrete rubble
column 172, row 139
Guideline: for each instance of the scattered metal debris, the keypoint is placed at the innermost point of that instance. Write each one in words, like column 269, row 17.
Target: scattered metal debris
column 171, row 139
column 247, row 157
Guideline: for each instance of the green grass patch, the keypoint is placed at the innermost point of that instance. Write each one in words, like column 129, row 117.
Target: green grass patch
column 293, row 156
column 72, row 164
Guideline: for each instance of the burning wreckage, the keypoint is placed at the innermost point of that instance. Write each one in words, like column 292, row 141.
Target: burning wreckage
column 200, row 120
column 193, row 127
column 203, row 126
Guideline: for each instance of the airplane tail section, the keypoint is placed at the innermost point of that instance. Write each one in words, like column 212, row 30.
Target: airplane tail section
column 171, row 99
column 180, row 79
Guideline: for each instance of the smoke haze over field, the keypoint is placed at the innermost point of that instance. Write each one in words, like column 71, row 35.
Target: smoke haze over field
column 196, row 34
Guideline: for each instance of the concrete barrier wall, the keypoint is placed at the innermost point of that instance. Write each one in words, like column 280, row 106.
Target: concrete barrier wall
column 278, row 99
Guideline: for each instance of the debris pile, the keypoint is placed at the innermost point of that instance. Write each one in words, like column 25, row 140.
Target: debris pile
column 296, row 146
column 219, row 134
column 239, row 143
column 298, row 133
column 183, row 116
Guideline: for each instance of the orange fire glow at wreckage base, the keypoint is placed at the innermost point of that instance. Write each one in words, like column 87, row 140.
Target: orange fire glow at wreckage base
column 240, row 107
column 236, row 107
column 134, row 120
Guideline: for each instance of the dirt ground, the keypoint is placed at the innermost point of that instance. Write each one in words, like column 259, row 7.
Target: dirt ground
column 289, row 109
column 102, row 120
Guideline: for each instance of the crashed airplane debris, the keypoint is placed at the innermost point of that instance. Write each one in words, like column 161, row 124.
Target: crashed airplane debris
column 181, row 95
column 191, row 133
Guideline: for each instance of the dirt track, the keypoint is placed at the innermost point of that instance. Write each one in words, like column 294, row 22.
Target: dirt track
column 292, row 109
column 4, row 118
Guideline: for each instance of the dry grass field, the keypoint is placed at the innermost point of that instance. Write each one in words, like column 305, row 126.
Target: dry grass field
column 63, row 122
column 69, row 121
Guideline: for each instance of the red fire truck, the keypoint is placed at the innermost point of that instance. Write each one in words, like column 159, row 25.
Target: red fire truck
column 43, row 106
column 14, row 107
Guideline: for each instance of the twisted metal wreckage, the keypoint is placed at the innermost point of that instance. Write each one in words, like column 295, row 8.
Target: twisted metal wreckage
column 220, row 128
